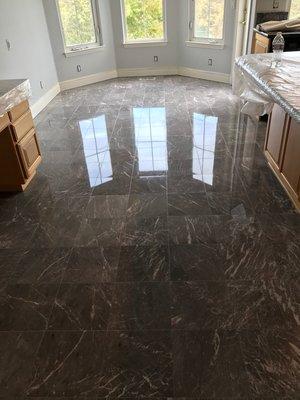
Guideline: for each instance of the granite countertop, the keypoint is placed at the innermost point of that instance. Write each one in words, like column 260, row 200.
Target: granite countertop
column 280, row 83
column 13, row 92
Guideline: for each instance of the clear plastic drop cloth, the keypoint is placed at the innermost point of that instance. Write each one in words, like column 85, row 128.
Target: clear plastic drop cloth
column 12, row 93
column 261, row 83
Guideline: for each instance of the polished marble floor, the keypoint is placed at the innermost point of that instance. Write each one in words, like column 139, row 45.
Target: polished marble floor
column 154, row 255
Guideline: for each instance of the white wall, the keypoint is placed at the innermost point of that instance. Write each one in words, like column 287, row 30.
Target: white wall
column 267, row 6
column 23, row 24
column 197, row 57
column 142, row 57
column 92, row 63
column 115, row 56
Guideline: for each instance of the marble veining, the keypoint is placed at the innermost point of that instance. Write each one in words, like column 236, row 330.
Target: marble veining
column 153, row 256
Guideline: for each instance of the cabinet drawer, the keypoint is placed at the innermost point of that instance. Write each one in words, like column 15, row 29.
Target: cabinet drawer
column 23, row 125
column 4, row 121
column 18, row 111
column 29, row 152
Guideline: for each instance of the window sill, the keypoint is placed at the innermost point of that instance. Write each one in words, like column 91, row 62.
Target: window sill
column 145, row 44
column 204, row 45
column 81, row 52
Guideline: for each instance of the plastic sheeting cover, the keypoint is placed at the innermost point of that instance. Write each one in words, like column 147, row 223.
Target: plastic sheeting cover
column 273, row 83
column 12, row 93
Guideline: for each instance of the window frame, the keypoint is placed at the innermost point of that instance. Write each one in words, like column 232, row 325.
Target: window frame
column 148, row 42
column 203, row 42
column 84, row 47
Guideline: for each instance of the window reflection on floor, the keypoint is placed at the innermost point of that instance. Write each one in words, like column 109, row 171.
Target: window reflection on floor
column 96, row 150
column 205, row 134
column 151, row 140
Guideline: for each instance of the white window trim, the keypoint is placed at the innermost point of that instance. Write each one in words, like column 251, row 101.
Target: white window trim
column 143, row 43
column 70, row 51
column 202, row 42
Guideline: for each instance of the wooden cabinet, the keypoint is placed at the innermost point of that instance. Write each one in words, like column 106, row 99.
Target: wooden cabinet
column 261, row 44
column 282, row 149
column 291, row 159
column 275, row 133
column 22, row 125
column 19, row 149
column 18, row 111
column 30, row 153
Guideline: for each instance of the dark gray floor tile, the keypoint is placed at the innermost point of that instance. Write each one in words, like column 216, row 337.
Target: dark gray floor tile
column 188, row 204
column 143, row 263
column 17, row 362
column 200, row 305
column 197, row 262
column 92, row 265
column 81, row 307
column 140, row 306
column 208, row 364
column 145, row 232
column 271, row 360
column 137, row 364
column 26, row 307
column 68, row 364
column 147, row 205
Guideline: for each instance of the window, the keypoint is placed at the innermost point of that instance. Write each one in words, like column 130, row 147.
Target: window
column 295, row 9
column 207, row 21
column 80, row 24
column 143, row 21
column 151, row 140
column 205, row 134
column 96, row 150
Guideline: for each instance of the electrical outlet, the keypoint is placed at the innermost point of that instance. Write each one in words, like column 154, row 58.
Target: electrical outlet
column 79, row 69
column 275, row 4
column 155, row 58
column 210, row 62
column 8, row 45
column 41, row 85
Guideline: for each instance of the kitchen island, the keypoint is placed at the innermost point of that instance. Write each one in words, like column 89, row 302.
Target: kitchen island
column 278, row 85
column 19, row 149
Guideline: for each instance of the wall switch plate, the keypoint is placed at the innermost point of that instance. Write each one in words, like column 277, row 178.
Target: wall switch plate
column 79, row 68
column 210, row 61
column 155, row 58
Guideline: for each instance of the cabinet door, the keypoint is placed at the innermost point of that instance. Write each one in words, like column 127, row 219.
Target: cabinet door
column 261, row 44
column 291, row 161
column 274, row 139
column 30, row 153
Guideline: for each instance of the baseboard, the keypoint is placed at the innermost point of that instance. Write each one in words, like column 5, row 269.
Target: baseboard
column 131, row 72
column 128, row 72
column 87, row 80
column 207, row 75
column 41, row 103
